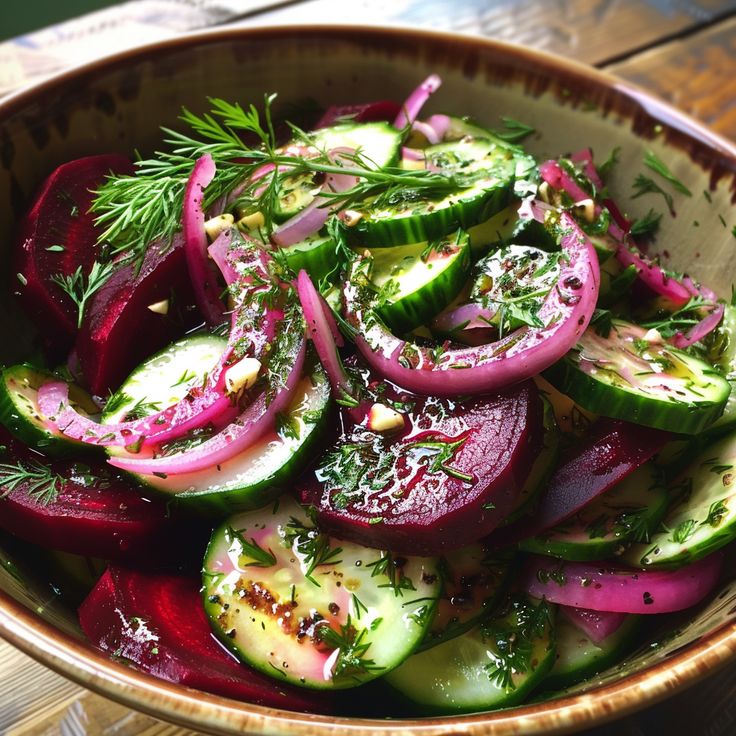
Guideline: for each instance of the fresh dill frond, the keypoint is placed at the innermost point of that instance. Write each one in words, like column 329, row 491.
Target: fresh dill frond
column 39, row 481
column 80, row 287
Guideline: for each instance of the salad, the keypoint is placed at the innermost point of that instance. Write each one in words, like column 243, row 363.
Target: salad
column 379, row 400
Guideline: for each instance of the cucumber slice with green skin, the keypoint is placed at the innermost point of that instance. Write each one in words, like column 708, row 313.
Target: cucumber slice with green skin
column 403, row 218
column 312, row 610
column 577, row 658
column 473, row 579
column 494, row 232
column 165, row 378
column 415, row 282
column 628, row 512
column 702, row 516
column 514, row 282
column 378, row 143
column 495, row 665
column 257, row 475
column 317, row 255
column 543, row 467
column 632, row 374
column 19, row 412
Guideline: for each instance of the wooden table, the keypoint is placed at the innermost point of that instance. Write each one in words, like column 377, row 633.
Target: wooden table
column 682, row 50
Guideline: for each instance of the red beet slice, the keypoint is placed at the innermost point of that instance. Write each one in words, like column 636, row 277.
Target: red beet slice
column 446, row 480
column 157, row 623
column 120, row 330
column 59, row 218
column 94, row 514
column 611, row 450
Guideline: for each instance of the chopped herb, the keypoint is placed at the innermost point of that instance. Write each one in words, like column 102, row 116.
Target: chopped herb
column 444, row 453
column 602, row 322
column 55, row 249
column 716, row 512
column 652, row 161
column 514, row 131
column 647, row 225
column 605, row 169
column 312, row 546
column 645, row 185
column 351, row 645
column 287, row 427
column 255, row 555
column 684, row 530
column 392, row 568
column 38, row 481
column 80, row 287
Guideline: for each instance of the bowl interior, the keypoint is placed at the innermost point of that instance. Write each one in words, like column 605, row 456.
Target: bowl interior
column 119, row 104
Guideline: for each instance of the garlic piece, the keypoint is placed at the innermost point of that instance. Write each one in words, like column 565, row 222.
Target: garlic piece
column 252, row 222
column 214, row 226
column 382, row 418
column 161, row 307
column 242, row 375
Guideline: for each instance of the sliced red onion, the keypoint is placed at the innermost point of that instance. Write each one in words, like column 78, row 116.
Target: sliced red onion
column 607, row 588
column 309, row 220
column 415, row 101
column 596, row 625
column 652, row 275
column 702, row 329
column 522, row 354
column 585, row 157
column 411, row 154
column 201, row 273
column 254, row 324
column 218, row 253
column 258, row 419
column 321, row 333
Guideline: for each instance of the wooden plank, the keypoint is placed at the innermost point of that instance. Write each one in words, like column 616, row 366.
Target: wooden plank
column 696, row 73
column 592, row 31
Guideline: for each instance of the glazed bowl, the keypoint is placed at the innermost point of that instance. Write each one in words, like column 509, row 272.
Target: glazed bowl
column 118, row 104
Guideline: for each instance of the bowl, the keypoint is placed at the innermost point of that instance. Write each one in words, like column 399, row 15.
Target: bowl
column 117, row 103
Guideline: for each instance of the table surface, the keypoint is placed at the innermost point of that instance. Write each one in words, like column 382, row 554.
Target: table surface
column 682, row 50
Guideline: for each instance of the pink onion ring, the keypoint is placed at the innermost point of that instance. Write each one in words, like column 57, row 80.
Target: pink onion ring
column 258, row 419
column 415, row 101
column 608, row 588
column 322, row 336
column 523, row 353
column 201, row 273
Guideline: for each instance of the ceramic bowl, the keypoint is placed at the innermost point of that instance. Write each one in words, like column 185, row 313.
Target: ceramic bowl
column 118, row 104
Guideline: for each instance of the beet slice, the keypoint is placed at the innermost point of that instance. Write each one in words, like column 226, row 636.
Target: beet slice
column 94, row 514
column 611, row 450
column 447, row 479
column 157, row 623
column 120, row 330
column 56, row 236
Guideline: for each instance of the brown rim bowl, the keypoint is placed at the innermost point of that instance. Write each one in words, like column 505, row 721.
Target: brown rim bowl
column 117, row 103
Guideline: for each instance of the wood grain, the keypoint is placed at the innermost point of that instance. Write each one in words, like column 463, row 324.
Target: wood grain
column 696, row 74
column 592, row 31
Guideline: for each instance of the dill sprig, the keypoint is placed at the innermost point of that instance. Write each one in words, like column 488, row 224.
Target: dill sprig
column 351, row 645
column 137, row 210
column 81, row 288
column 38, row 481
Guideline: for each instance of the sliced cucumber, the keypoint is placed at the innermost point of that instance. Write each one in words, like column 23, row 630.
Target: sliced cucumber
column 257, row 475
column 633, row 374
column 405, row 217
column 377, row 143
column 165, row 379
column 702, row 517
column 495, row 665
column 628, row 512
column 578, row 658
column 415, row 282
column 514, row 282
column 19, row 412
column 472, row 581
column 542, row 467
column 494, row 232
column 317, row 255
column 312, row 610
